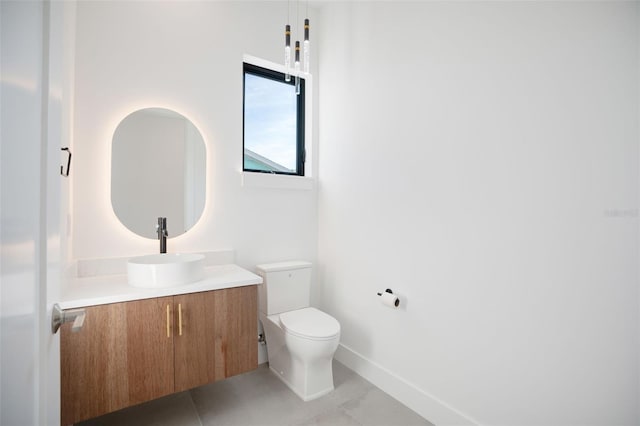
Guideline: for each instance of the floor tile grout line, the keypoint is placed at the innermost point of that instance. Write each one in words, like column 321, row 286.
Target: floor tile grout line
column 193, row 404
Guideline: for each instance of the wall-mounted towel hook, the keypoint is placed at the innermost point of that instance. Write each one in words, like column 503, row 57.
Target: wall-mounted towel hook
column 68, row 162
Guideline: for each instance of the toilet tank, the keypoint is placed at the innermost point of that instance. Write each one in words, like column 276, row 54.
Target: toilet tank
column 286, row 286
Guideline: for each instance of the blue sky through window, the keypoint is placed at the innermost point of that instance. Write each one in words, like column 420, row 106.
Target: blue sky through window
column 270, row 120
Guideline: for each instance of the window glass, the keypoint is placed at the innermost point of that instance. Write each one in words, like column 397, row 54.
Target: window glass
column 273, row 123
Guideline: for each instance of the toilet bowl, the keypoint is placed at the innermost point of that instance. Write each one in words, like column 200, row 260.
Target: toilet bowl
column 300, row 341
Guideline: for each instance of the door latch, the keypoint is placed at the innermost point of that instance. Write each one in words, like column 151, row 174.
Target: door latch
column 61, row 316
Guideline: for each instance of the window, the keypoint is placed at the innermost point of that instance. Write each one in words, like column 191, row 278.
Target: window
column 273, row 135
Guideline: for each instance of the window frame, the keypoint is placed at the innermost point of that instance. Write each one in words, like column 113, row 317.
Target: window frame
column 261, row 71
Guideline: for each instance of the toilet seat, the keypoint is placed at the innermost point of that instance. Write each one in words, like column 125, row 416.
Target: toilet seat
column 310, row 323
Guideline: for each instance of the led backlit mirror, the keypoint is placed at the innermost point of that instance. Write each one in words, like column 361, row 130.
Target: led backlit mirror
column 158, row 169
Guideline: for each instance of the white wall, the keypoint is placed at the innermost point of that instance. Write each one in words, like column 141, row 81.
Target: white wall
column 481, row 159
column 185, row 56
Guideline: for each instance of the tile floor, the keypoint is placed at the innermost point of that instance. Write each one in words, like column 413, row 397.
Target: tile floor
column 259, row 398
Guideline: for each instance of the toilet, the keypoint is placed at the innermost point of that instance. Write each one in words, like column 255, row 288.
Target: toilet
column 301, row 340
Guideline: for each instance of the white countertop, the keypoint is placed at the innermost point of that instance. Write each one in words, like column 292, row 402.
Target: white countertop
column 104, row 289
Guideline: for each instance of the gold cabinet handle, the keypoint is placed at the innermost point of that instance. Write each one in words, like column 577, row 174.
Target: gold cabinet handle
column 168, row 321
column 180, row 319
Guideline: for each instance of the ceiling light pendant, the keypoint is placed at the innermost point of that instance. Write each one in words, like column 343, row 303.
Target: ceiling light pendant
column 287, row 52
column 306, row 46
column 297, row 67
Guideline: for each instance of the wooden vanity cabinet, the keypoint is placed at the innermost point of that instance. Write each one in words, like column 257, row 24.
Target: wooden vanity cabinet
column 131, row 352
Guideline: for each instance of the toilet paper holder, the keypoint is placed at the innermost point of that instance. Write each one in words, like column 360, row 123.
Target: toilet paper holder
column 389, row 299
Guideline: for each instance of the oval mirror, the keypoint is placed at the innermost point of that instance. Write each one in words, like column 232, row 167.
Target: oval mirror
column 158, row 169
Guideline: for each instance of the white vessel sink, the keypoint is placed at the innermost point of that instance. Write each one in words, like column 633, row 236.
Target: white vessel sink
column 165, row 270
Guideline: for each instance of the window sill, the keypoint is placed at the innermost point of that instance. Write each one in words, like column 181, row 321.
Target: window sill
column 266, row 180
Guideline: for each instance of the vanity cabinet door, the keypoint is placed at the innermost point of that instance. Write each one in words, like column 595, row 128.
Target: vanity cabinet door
column 216, row 335
column 192, row 345
column 236, row 333
column 122, row 356
column 150, row 334
column 93, row 364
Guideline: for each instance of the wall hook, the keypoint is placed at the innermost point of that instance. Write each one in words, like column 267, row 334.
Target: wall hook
column 68, row 163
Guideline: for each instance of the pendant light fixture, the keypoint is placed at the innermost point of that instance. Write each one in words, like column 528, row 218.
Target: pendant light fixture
column 297, row 67
column 305, row 46
column 287, row 52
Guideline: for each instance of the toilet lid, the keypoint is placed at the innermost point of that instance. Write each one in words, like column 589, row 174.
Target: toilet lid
column 310, row 323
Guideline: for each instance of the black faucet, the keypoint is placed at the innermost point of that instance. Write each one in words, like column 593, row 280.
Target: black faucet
column 161, row 229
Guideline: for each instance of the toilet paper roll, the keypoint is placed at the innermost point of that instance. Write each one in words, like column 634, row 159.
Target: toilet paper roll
column 390, row 299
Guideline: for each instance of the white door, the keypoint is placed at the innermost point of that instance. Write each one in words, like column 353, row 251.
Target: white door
column 32, row 108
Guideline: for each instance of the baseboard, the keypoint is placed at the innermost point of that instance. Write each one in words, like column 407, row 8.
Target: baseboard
column 426, row 405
